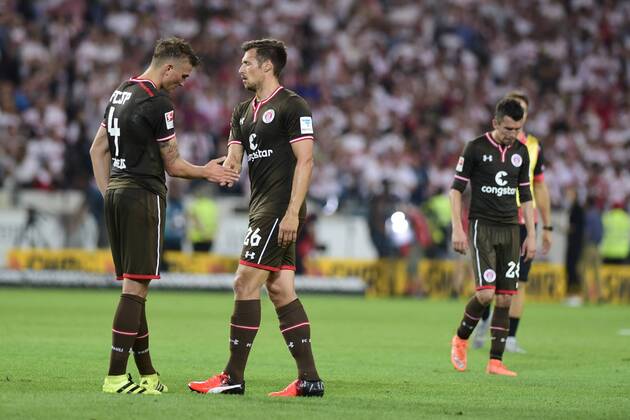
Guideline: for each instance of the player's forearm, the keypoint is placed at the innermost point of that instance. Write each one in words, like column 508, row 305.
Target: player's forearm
column 528, row 213
column 456, row 209
column 100, row 166
column 181, row 168
column 235, row 152
column 543, row 202
column 101, row 159
column 301, row 181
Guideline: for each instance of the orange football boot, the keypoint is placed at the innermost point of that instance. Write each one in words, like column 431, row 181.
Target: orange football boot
column 301, row 388
column 218, row 384
column 496, row 367
column 459, row 347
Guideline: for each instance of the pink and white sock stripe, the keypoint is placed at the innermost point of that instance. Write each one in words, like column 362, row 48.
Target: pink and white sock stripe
column 244, row 327
column 499, row 328
column 471, row 317
column 303, row 324
column 124, row 332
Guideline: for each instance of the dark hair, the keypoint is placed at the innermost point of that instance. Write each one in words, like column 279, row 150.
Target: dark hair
column 509, row 107
column 176, row 48
column 520, row 95
column 268, row 49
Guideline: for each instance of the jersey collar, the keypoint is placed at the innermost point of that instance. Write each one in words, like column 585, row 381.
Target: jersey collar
column 256, row 105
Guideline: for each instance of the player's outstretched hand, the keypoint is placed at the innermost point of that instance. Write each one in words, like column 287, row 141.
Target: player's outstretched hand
column 529, row 247
column 287, row 232
column 231, row 163
column 460, row 242
column 215, row 172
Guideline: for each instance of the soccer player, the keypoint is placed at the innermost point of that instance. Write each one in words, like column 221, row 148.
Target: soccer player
column 496, row 165
column 135, row 143
column 543, row 203
column 275, row 128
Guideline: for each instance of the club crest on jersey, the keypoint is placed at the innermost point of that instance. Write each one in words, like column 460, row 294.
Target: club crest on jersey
column 487, row 157
column 460, row 164
column 489, row 275
column 268, row 116
column 517, row 160
column 170, row 120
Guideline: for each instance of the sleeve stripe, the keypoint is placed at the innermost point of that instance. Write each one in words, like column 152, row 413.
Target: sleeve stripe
column 462, row 178
column 302, row 139
column 234, row 142
column 523, row 184
column 539, row 177
column 103, row 124
column 166, row 138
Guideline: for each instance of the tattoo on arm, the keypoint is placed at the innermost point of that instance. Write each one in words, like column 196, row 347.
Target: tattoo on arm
column 169, row 151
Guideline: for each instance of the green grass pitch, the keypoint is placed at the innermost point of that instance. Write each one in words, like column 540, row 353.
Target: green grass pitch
column 380, row 358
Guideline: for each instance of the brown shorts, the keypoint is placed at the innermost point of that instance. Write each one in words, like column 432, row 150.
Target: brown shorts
column 261, row 249
column 495, row 251
column 135, row 225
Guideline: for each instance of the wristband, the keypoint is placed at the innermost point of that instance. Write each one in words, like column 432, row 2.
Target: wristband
column 549, row 228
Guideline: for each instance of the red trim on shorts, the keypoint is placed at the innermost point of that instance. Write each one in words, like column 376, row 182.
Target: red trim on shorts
column 506, row 292
column 287, row 267
column 260, row 266
column 485, row 287
column 141, row 276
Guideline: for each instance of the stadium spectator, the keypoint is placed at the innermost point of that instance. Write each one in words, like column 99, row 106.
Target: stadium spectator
column 615, row 246
column 592, row 260
column 422, row 70
column 203, row 219
column 575, row 246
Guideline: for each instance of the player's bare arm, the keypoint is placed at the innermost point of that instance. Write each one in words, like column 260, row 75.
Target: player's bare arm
column 234, row 160
column 178, row 167
column 100, row 156
column 529, row 247
column 303, row 152
column 543, row 202
column 460, row 242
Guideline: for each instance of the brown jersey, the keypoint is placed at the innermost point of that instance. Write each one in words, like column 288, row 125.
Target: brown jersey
column 495, row 172
column 137, row 118
column 266, row 129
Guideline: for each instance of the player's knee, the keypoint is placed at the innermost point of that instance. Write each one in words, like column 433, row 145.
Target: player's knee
column 504, row 301
column 485, row 296
column 245, row 288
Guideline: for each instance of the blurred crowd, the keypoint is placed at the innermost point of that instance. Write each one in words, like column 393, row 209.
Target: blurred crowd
column 396, row 87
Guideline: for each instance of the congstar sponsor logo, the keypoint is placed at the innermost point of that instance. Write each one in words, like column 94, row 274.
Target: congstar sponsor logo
column 259, row 154
column 502, row 189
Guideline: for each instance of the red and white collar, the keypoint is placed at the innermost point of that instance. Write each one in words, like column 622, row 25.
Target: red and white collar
column 137, row 80
column 258, row 105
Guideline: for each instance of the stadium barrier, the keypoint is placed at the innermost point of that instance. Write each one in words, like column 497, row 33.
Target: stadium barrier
column 387, row 277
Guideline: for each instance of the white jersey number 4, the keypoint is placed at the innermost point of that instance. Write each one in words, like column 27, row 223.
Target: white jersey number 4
column 114, row 131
